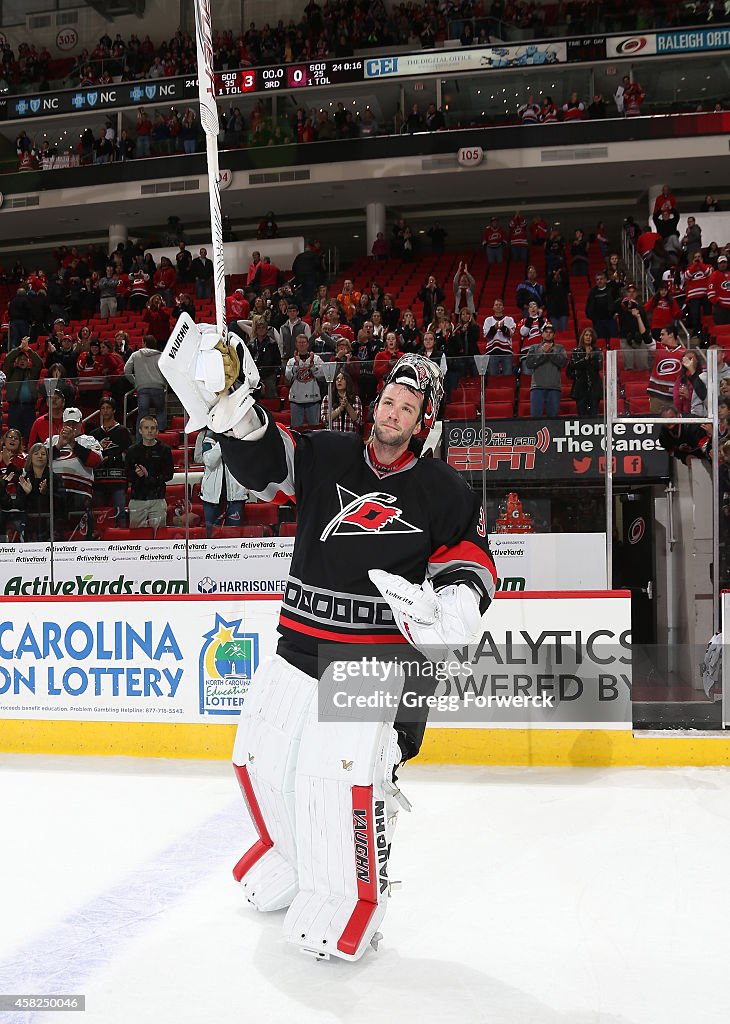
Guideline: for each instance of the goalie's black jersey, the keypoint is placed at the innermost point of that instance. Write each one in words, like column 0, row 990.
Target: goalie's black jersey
column 420, row 519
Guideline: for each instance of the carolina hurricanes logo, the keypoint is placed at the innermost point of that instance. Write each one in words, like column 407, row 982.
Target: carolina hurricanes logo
column 667, row 367
column 375, row 512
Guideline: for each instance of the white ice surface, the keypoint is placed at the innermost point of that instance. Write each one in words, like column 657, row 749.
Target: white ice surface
column 543, row 896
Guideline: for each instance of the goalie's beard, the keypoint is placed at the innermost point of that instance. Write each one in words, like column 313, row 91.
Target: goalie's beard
column 392, row 438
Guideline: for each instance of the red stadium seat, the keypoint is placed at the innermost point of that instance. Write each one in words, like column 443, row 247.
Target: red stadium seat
column 288, row 530
column 261, row 513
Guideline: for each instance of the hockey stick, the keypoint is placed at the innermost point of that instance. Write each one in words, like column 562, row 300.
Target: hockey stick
column 209, row 121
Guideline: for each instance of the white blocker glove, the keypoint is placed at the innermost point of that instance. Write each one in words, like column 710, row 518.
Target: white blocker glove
column 201, row 369
column 429, row 618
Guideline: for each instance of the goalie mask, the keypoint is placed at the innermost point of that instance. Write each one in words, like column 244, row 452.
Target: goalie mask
column 421, row 375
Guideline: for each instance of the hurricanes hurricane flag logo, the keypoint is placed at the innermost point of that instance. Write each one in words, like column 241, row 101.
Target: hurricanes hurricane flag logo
column 375, row 512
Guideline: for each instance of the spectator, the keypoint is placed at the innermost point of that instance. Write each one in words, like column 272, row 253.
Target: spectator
column 268, row 274
column 36, row 487
column 22, row 368
column 293, row 326
column 584, row 369
column 157, row 319
column 348, row 299
column 538, row 230
column 12, row 504
column 690, row 391
column 665, row 197
column 64, row 353
column 139, row 289
column 557, row 300
column 461, row 347
column 431, row 296
column 574, row 109
column 149, row 467
column 579, row 254
column 107, row 287
column 697, row 286
column 143, row 133
column 189, row 131
column 494, row 241
column 666, row 220
column 75, row 456
column 667, row 368
column 268, row 228
column 103, row 148
column 346, row 406
column 19, row 313
column 410, row 335
column 601, row 308
column 183, row 264
column 596, row 110
column 308, row 272
column 546, row 360
column 684, row 441
column 719, row 292
column 723, row 370
column 143, row 369
column 554, row 251
column 518, row 241
column 464, row 285
column 267, row 356
column 379, row 250
column 530, row 330
column 414, row 121
column 223, row 497
column 636, row 340
column 662, row 309
column 692, row 238
column 529, row 112
column 110, row 478
column 183, row 304
column 386, row 359
column 303, row 372
column 530, row 290
column 549, row 113
column 710, row 205
column 390, row 313
column 435, row 121
column 499, row 331
column 633, row 97
column 125, row 147
column 201, row 269
column 438, row 237
column 164, row 280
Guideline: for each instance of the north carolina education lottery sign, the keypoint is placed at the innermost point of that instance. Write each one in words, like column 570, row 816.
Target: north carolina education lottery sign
column 191, row 660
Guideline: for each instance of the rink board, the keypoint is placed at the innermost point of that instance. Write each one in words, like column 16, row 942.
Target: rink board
column 142, row 677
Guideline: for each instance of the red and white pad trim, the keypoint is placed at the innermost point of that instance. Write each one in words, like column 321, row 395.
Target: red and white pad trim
column 264, row 760
column 343, row 779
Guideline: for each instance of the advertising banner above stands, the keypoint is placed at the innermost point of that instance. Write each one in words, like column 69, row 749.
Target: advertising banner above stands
column 443, row 62
column 523, row 451
column 545, row 661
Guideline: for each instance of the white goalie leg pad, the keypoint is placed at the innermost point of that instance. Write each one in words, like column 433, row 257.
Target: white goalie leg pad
column 344, row 827
column 264, row 760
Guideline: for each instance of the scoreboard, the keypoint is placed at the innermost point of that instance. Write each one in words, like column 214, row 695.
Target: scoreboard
column 289, row 76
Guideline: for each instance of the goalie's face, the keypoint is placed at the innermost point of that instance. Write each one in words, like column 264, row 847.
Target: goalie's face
column 397, row 416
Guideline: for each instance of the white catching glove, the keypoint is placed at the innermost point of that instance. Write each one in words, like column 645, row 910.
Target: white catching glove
column 201, row 369
column 429, row 618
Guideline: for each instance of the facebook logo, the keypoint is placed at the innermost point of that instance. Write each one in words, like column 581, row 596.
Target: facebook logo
column 381, row 66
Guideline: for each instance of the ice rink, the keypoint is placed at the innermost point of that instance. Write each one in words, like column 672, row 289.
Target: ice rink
column 530, row 896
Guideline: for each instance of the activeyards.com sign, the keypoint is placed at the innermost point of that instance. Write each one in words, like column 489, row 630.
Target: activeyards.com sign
column 233, row 567
column 192, row 659
column 559, row 449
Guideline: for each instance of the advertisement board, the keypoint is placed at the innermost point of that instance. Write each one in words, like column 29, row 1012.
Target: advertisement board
column 442, row 62
column 191, row 660
column 233, row 567
column 559, row 449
